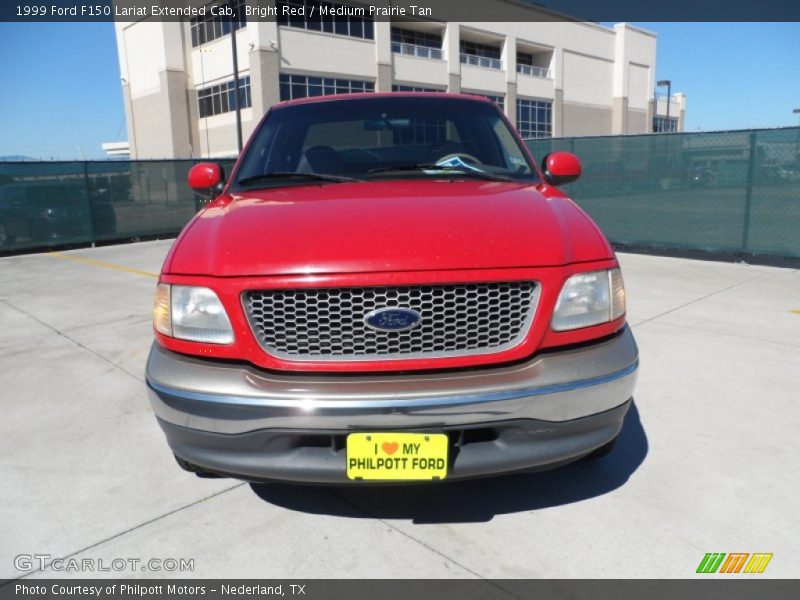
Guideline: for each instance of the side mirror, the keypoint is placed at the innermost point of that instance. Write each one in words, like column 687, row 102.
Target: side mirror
column 206, row 178
column 561, row 167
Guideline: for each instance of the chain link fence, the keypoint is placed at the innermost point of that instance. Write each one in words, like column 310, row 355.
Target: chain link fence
column 46, row 204
column 724, row 192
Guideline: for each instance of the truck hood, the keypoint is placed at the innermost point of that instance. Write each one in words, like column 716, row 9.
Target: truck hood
column 380, row 226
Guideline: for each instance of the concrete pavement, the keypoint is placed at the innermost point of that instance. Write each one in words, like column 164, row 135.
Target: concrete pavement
column 707, row 461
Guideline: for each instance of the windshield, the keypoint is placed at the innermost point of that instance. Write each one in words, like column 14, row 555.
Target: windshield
column 380, row 138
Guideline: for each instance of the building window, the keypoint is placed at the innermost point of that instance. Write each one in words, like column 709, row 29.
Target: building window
column 340, row 19
column 302, row 86
column 481, row 55
column 476, row 49
column 534, row 71
column 665, row 125
column 524, row 58
column 534, row 118
column 499, row 100
column 526, row 66
column 207, row 28
column 416, row 38
column 416, row 43
column 221, row 98
column 413, row 88
column 421, row 132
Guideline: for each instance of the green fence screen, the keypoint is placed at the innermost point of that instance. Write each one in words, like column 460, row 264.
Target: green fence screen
column 46, row 204
column 724, row 192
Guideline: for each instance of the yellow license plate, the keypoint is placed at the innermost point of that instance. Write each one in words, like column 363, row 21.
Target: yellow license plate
column 396, row 456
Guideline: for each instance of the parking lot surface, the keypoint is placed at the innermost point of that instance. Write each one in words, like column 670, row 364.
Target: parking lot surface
column 707, row 460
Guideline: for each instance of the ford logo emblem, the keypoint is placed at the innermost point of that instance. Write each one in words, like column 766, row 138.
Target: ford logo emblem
column 392, row 319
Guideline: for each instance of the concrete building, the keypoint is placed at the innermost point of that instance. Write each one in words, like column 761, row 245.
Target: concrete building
column 556, row 78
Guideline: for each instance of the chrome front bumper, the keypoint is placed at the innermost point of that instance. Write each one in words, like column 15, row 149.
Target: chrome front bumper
column 223, row 416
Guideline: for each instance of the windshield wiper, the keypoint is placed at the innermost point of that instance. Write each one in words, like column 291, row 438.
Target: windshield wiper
column 446, row 168
column 293, row 175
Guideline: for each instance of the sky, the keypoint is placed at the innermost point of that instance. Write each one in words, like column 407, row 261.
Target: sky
column 61, row 91
column 63, row 97
column 734, row 75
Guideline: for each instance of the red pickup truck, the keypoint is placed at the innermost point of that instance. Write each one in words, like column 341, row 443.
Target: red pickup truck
column 388, row 288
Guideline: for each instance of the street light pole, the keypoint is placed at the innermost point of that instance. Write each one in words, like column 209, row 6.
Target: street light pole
column 234, row 20
column 668, row 83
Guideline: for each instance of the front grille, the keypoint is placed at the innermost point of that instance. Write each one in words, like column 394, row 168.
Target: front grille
column 328, row 324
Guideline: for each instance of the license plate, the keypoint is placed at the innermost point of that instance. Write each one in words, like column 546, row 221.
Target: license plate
column 396, row 456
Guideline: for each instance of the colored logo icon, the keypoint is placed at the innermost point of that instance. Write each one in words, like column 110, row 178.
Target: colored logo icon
column 735, row 562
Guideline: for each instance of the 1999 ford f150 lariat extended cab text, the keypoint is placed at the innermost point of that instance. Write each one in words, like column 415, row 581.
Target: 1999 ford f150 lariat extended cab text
column 388, row 288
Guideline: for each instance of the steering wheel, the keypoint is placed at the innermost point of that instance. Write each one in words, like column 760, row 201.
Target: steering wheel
column 463, row 155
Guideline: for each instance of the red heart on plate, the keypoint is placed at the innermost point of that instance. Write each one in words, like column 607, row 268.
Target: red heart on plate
column 390, row 447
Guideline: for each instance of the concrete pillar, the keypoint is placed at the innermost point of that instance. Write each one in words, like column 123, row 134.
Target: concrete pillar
column 175, row 80
column 383, row 56
column 509, row 57
column 511, row 102
column 264, row 80
column 129, row 118
column 557, row 68
column 557, row 73
column 383, row 82
column 454, row 83
column 264, row 61
column 558, row 113
column 159, row 123
column 619, row 107
column 452, row 52
column 194, row 121
column 173, row 86
column 680, row 99
column 619, row 116
column 193, row 111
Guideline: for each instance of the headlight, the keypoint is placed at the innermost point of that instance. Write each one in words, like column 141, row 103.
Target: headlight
column 161, row 313
column 589, row 299
column 191, row 313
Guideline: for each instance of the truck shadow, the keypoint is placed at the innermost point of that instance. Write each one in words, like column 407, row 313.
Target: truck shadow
column 473, row 501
